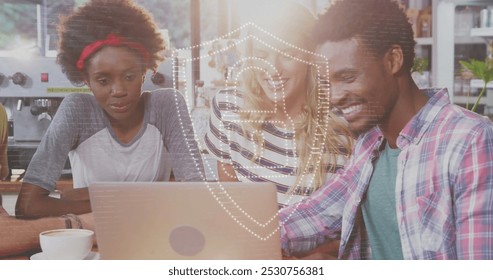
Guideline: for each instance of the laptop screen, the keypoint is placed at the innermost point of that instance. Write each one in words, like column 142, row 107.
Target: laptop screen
column 186, row 220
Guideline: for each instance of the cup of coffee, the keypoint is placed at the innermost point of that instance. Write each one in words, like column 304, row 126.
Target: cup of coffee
column 66, row 244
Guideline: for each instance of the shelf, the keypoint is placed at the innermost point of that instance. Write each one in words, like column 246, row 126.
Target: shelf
column 458, row 39
column 424, row 41
column 469, row 40
column 476, row 83
column 482, row 32
column 472, row 100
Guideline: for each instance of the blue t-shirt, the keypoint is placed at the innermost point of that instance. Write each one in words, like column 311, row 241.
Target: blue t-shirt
column 379, row 208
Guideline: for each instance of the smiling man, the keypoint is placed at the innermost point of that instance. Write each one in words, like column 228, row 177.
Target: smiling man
column 420, row 183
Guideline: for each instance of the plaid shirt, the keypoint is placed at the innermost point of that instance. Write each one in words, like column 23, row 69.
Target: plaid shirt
column 444, row 190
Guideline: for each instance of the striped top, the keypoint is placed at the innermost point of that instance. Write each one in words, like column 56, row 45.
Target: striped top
column 443, row 190
column 277, row 160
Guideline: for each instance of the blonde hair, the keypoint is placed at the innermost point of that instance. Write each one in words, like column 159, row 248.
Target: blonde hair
column 319, row 129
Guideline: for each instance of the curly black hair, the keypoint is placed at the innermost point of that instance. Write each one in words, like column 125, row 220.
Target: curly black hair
column 379, row 24
column 98, row 18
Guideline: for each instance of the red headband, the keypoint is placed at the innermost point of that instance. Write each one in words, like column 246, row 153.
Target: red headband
column 111, row 40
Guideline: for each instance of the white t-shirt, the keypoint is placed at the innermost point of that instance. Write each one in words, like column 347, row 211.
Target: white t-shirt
column 81, row 130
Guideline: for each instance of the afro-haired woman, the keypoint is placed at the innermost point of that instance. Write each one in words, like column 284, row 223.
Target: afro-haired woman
column 119, row 133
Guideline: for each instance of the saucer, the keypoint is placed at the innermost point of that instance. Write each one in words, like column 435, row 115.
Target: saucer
column 40, row 256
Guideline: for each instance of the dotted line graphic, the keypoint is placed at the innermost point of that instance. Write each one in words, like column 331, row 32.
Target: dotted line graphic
column 319, row 62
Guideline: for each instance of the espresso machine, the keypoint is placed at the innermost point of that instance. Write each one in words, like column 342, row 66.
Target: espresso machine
column 31, row 90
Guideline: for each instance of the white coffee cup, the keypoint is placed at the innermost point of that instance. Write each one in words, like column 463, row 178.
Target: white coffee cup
column 66, row 244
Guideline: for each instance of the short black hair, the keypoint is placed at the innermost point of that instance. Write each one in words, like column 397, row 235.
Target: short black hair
column 98, row 18
column 379, row 24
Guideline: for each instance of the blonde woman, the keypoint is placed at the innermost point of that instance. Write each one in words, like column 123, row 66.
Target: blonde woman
column 277, row 127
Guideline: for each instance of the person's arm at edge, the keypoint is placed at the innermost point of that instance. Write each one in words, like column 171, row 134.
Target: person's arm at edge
column 20, row 236
column 35, row 202
column 473, row 199
column 4, row 164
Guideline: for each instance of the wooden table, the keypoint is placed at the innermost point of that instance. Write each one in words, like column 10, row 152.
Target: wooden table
column 14, row 186
column 27, row 256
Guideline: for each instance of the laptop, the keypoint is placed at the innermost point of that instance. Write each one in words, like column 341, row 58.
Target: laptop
column 186, row 220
